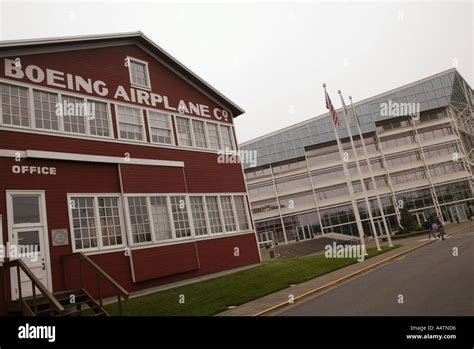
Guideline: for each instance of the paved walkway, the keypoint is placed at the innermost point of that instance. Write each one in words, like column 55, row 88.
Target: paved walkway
column 275, row 300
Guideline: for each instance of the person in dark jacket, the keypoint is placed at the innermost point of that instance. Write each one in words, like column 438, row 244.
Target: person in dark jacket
column 429, row 227
column 441, row 230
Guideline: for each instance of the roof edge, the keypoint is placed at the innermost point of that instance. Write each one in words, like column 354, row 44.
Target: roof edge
column 236, row 110
column 364, row 101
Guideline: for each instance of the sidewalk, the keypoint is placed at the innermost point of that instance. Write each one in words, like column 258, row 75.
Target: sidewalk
column 278, row 299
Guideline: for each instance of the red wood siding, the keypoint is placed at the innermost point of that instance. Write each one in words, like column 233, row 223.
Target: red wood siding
column 107, row 64
column 203, row 172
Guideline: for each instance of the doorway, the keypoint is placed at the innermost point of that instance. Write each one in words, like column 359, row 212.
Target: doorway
column 28, row 238
column 458, row 213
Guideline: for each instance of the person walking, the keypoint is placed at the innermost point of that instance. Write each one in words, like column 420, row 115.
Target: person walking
column 441, row 230
column 429, row 227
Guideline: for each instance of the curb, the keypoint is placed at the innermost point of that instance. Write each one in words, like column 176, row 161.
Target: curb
column 346, row 277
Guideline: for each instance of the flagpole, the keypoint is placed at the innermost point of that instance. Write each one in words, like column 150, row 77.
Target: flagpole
column 366, row 154
column 351, row 192
column 369, row 209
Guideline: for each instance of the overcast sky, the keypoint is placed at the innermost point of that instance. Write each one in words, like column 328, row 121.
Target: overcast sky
column 271, row 58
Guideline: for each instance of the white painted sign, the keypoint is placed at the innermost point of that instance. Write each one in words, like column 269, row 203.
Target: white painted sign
column 41, row 170
column 77, row 83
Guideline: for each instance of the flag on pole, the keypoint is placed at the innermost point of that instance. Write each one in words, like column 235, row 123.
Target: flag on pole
column 354, row 112
column 344, row 106
column 329, row 106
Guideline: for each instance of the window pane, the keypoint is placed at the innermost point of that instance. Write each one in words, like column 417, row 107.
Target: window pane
column 214, row 214
column 139, row 219
column 25, row 209
column 228, row 213
column 99, row 121
column 109, row 219
column 84, row 223
column 226, row 134
column 130, row 123
column 15, row 106
column 184, row 131
column 240, row 208
column 213, row 134
column 74, row 110
column 161, row 218
column 138, row 72
column 45, row 110
column 199, row 217
column 160, row 127
column 199, row 134
column 28, row 242
column 180, row 216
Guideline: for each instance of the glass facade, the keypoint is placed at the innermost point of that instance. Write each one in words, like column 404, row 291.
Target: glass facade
column 299, row 189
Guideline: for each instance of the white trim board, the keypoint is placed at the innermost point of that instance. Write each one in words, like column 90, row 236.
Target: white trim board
column 37, row 154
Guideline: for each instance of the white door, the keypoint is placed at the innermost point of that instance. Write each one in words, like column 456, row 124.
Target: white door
column 28, row 238
column 461, row 213
column 458, row 213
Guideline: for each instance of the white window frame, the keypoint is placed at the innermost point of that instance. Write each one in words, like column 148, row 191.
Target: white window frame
column 193, row 237
column 206, row 217
column 170, row 116
column 246, row 211
column 233, row 213
column 147, row 71
column 194, row 136
column 33, row 129
column 232, row 141
column 30, row 107
column 117, row 122
column 152, row 222
column 191, row 133
column 96, row 197
column 129, row 222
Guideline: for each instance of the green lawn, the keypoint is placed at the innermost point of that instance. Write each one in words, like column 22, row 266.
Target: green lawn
column 215, row 295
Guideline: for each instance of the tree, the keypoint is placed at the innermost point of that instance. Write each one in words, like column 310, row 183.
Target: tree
column 407, row 220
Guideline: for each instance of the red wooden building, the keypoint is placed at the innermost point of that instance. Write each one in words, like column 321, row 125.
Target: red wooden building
column 110, row 147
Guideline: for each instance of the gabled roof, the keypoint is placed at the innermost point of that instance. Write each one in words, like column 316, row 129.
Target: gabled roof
column 141, row 38
column 432, row 92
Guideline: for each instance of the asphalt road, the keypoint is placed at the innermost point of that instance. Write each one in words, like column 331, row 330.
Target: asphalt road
column 431, row 280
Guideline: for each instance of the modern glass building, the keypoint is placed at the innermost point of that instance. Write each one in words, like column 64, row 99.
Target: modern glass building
column 298, row 189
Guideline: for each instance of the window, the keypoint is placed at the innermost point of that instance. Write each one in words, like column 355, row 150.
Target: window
column 199, row 216
column 99, row 122
column 214, row 214
column 83, row 223
column 184, row 131
column 213, row 134
column 228, row 213
column 160, row 127
column 199, row 134
column 109, row 219
column 139, row 219
column 14, row 103
column 139, row 73
column 161, row 218
column 180, row 216
column 96, row 222
column 240, row 209
column 45, row 110
column 226, row 133
column 73, row 116
column 25, row 209
column 130, row 123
